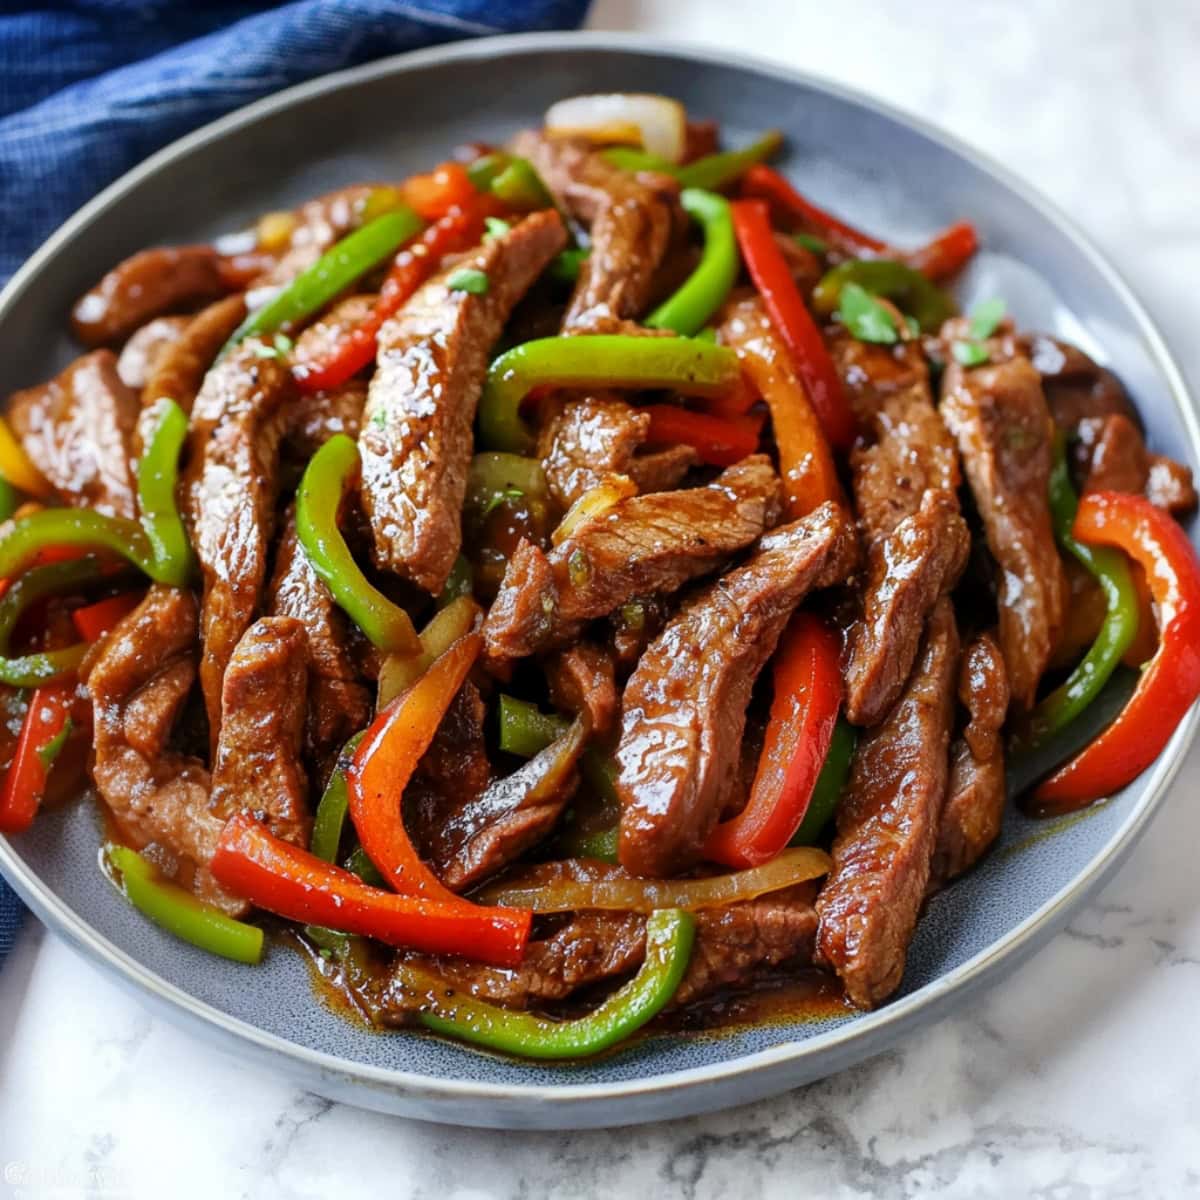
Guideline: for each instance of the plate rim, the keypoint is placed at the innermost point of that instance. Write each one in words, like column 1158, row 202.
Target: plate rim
column 869, row 1033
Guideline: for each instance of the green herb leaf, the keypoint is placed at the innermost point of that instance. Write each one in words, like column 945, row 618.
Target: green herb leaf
column 469, row 279
column 809, row 242
column 496, row 227
column 970, row 353
column 914, row 326
column 986, row 316
column 498, row 498
column 865, row 317
column 262, row 350
column 53, row 748
column 283, row 344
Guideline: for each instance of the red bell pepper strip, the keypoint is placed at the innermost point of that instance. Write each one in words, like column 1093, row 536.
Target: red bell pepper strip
column 805, row 459
column 808, row 694
column 433, row 195
column 719, row 441
column 25, row 782
column 791, row 318
column 942, row 256
column 95, row 620
column 1170, row 681
column 947, row 253
column 292, row 883
column 767, row 184
column 459, row 229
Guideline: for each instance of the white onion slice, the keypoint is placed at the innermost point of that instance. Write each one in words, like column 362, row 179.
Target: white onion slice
column 657, row 122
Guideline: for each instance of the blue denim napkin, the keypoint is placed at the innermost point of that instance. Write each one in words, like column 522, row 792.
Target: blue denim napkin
column 89, row 88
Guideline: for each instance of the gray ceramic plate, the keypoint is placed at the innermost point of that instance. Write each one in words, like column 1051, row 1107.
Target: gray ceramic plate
column 873, row 165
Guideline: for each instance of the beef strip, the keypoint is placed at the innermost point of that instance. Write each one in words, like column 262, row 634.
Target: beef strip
column 78, row 431
column 582, row 681
column 905, row 485
column 138, row 681
column 1005, row 435
column 639, row 546
column 416, row 438
column 974, row 807
column 632, row 219
column 142, row 352
column 148, row 284
column 231, row 486
column 1075, row 386
column 587, row 440
column 338, row 704
column 887, row 824
column 1110, row 455
column 684, row 707
column 597, row 946
column 314, row 417
column 180, row 371
column 257, row 766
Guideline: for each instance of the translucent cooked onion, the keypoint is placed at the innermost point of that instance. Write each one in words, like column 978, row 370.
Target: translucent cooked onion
column 575, row 883
column 592, row 503
column 657, row 123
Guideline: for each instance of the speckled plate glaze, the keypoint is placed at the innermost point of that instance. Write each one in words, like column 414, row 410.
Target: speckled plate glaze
column 876, row 166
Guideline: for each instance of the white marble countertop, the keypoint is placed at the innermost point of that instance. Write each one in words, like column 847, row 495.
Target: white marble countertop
column 1078, row 1077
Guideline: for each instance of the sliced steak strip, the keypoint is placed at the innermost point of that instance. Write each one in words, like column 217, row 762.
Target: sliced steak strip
column 338, row 704
column 319, row 223
column 1111, row 456
column 78, row 431
column 148, row 284
column 1075, row 386
column 640, row 546
column 684, row 706
column 142, row 352
column 232, row 481
column 314, row 417
column 632, row 219
column 662, row 470
column 587, row 440
column 1005, row 435
column 905, row 490
column 974, row 805
column 416, row 438
column 257, row 766
column 138, row 682
column 180, row 371
column 887, row 824
column 582, row 681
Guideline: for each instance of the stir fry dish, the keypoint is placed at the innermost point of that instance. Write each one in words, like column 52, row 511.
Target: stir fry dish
column 575, row 583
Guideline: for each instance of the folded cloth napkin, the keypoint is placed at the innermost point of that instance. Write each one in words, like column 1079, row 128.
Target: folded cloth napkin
column 91, row 87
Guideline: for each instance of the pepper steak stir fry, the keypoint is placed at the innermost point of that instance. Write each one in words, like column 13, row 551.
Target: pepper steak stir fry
column 750, row 579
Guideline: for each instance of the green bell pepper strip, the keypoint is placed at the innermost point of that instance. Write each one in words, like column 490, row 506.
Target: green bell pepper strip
column 566, row 264
column 911, row 291
column 1026, row 765
column 158, row 546
column 519, row 186
column 831, row 782
column 711, row 172
column 727, row 166
column 318, row 499
column 670, row 933
column 10, row 499
column 705, row 290
column 31, row 670
column 336, row 269
column 524, row 729
column 482, row 172
column 688, row 366
column 181, row 913
column 157, row 474
column 330, row 817
column 1117, row 631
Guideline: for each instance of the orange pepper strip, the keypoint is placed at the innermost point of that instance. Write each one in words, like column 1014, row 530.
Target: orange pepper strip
column 805, row 459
